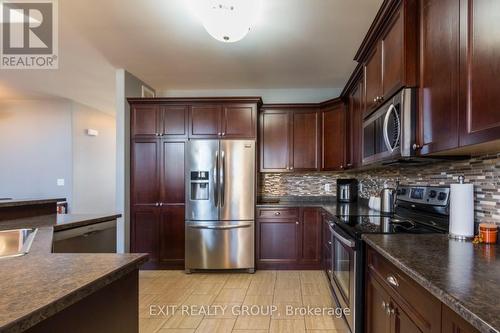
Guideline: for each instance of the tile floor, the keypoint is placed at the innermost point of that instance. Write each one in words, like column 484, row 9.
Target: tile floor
column 171, row 301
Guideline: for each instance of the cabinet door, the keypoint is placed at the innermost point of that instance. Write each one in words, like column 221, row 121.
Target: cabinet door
column 373, row 79
column 401, row 322
column 453, row 323
column 145, row 120
column 239, row 121
column 439, row 75
column 172, row 182
column 275, row 141
column 377, row 302
column 144, row 231
column 311, row 237
column 305, row 143
column 278, row 241
column 145, row 173
column 334, row 138
column 174, row 121
column 171, row 238
column 392, row 56
column 205, row 121
column 480, row 71
column 355, row 127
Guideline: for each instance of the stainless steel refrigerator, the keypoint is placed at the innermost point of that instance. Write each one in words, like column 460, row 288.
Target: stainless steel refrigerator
column 220, row 204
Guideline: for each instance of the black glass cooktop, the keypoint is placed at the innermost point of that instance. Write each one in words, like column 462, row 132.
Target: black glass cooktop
column 357, row 225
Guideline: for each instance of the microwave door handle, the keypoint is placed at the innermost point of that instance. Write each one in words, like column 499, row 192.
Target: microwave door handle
column 386, row 128
column 216, row 176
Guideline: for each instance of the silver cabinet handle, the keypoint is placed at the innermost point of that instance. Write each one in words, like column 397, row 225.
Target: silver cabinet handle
column 216, row 179
column 220, row 227
column 157, row 204
column 297, row 222
column 384, row 305
column 329, row 242
column 161, row 204
column 277, row 213
column 416, row 146
column 392, row 281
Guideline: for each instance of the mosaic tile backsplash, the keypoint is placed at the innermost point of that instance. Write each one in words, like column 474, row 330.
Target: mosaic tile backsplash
column 483, row 172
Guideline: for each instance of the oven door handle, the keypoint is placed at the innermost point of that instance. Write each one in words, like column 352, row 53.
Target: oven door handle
column 391, row 109
column 347, row 242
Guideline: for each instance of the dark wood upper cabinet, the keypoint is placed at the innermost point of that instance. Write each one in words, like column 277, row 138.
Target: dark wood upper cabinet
column 373, row 79
column 306, row 140
column 389, row 54
column 355, row 126
column 392, row 56
column 145, row 172
column 239, row 121
column 333, row 137
column 172, row 180
column 205, row 121
column 145, row 120
column 174, row 120
column 479, row 71
column 275, row 141
column 439, row 75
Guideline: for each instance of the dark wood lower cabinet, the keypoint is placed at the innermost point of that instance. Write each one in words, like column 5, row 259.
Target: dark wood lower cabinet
column 403, row 306
column 171, row 242
column 453, row 323
column 144, row 232
column 289, row 242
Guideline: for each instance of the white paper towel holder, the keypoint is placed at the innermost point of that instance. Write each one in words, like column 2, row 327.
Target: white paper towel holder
column 461, row 180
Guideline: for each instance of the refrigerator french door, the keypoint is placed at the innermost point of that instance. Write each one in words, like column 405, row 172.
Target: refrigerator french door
column 220, row 176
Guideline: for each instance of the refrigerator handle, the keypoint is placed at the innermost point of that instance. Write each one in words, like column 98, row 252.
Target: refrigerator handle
column 222, row 175
column 216, row 177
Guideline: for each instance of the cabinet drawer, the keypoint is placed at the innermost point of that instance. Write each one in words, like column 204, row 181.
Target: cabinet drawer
column 413, row 299
column 278, row 213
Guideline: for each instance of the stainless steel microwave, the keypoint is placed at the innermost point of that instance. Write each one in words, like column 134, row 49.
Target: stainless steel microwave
column 389, row 133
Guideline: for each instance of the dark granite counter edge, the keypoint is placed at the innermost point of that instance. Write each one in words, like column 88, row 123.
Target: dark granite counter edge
column 89, row 221
column 23, row 323
column 440, row 294
column 27, row 202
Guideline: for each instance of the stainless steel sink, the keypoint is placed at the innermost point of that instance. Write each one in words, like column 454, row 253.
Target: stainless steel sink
column 15, row 243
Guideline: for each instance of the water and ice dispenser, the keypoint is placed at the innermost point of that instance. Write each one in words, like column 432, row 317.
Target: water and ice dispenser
column 200, row 185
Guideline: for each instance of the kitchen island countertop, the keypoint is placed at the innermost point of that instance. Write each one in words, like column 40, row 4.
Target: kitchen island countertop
column 40, row 284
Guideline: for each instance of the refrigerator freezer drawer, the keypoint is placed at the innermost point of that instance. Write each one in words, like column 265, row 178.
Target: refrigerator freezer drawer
column 224, row 245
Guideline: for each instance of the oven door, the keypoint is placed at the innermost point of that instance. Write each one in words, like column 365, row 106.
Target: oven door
column 344, row 271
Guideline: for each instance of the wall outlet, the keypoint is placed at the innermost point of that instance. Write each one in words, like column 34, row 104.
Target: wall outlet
column 327, row 188
column 60, row 182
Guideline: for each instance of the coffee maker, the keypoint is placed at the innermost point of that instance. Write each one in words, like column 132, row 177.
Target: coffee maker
column 347, row 190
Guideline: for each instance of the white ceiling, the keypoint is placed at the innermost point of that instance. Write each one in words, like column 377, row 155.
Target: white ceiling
column 295, row 44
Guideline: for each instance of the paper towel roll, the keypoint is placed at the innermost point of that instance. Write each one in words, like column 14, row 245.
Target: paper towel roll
column 462, row 210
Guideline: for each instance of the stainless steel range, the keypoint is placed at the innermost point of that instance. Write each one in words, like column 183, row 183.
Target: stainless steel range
column 220, row 204
column 419, row 210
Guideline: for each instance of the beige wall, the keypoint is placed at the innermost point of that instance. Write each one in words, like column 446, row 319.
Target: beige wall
column 94, row 159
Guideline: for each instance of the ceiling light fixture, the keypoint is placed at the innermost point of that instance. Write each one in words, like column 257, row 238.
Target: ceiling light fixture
column 227, row 21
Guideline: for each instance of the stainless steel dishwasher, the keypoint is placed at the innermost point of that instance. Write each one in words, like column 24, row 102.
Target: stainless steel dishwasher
column 95, row 238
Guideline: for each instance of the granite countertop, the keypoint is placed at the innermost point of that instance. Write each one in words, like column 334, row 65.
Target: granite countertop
column 41, row 284
column 26, row 202
column 462, row 275
column 328, row 203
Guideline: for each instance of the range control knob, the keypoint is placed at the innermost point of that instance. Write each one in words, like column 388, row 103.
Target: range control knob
column 432, row 194
column 442, row 196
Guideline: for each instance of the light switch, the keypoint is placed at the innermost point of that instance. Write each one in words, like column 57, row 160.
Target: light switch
column 327, row 187
column 60, row 182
